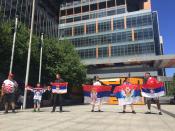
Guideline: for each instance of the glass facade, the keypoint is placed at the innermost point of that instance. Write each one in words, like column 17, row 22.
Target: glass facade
column 45, row 20
column 110, row 31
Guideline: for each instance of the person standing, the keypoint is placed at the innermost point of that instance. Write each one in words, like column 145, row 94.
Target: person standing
column 97, row 82
column 149, row 100
column 128, row 91
column 9, row 87
column 93, row 99
column 55, row 96
column 37, row 97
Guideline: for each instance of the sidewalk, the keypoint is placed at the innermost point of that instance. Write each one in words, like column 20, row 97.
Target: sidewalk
column 79, row 118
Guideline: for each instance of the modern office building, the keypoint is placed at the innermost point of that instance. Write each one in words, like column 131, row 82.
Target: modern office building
column 46, row 14
column 114, row 38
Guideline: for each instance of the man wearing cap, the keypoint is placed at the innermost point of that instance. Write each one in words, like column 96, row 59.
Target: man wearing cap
column 8, row 92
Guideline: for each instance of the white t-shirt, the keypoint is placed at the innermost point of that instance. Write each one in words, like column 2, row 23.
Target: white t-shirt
column 9, row 86
column 38, row 94
column 97, row 83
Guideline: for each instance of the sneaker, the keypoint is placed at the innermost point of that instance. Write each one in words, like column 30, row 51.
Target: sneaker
column 13, row 111
column 5, row 112
column 52, row 111
column 92, row 110
column 99, row 111
column 160, row 113
column 124, row 112
column 148, row 112
column 34, row 110
column 133, row 112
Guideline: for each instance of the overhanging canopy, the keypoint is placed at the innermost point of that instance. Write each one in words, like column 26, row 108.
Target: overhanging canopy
column 161, row 61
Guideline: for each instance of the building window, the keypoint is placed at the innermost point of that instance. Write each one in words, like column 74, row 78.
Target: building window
column 63, row 12
column 137, row 21
column 124, row 36
column 133, row 49
column 85, row 17
column 77, row 18
column 104, row 26
column 69, row 20
column 68, row 32
column 101, row 14
column 91, row 28
column 102, row 52
column 118, row 24
column 111, row 12
column 121, row 11
column 87, row 53
column 79, row 30
column 62, row 21
column 93, row 15
column 143, row 34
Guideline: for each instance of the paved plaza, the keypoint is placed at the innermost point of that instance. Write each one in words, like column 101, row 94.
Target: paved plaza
column 79, row 118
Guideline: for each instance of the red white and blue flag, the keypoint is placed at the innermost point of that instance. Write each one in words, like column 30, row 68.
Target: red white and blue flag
column 102, row 92
column 153, row 88
column 127, row 94
column 59, row 88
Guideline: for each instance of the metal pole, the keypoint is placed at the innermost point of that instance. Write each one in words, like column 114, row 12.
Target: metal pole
column 41, row 52
column 13, row 46
column 29, row 54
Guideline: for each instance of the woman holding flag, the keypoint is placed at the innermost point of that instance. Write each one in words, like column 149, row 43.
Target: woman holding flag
column 127, row 94
column 94, row 96
column 96, row 93
column 128, row 91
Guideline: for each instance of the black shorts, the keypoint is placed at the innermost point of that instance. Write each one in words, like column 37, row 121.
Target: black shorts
column 9, row 98
column 153, row 100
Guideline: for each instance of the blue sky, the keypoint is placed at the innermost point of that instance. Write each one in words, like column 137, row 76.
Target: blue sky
column 166, row 12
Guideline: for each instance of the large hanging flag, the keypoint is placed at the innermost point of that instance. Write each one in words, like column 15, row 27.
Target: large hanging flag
column 127, row 94
column 102, row 92
column 59, row 88
column 153, row 88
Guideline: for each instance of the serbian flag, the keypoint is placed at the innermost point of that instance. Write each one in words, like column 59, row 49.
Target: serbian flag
column 153, row 88
column 59, row 88
column 102, row 92
column 127, row 94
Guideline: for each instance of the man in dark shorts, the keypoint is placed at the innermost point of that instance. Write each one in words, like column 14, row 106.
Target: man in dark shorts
column 150, row 100
column 55, row 96
column 8, row 92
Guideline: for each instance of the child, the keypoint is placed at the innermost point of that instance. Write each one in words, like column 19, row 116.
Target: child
column 38, row 91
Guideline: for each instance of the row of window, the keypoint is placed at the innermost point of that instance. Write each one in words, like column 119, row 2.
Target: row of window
column 118, row 37
column 93, row 15
column 124, row 50
column 104, row 26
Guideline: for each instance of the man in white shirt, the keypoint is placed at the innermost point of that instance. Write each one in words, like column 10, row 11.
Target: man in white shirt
column 8, row 92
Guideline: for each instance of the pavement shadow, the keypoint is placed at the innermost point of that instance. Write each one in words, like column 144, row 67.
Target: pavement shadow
column 63, row 111
column 127, row 112
column 2, row 113
column 96, row 111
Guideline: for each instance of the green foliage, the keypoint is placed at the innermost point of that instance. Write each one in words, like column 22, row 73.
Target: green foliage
column 170, row 86
column 58, row 57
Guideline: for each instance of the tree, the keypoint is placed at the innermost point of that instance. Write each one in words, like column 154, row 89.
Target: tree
column 58, row 56
column 61, row 57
